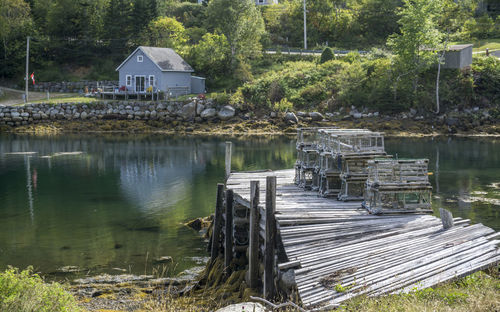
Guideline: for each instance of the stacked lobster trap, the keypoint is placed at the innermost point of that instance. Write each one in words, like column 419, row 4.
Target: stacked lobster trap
column 351, row 164
column 398, row 186
column 332, row 161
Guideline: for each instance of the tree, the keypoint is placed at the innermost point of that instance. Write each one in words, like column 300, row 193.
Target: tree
column 327, row 55
column 417, row 40
column 143, row 11
column 14, row 19
column 117, row 25
column 241, row 22
column 166, row 32
column 212, row 55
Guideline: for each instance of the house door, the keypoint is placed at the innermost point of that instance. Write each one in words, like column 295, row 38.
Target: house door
column 140, row 83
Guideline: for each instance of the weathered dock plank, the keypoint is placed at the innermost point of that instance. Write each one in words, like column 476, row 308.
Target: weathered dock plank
column 329, row 243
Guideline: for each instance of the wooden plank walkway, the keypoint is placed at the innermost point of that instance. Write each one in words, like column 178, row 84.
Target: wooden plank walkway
column 343, row 251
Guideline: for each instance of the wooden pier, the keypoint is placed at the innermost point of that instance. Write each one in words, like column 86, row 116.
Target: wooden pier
column 337, row 250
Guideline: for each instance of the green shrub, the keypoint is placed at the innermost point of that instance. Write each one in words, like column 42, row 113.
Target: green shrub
column 222, row 99
column 23, row 291
column 486, row 72
column 327, row 55
column 283, row 106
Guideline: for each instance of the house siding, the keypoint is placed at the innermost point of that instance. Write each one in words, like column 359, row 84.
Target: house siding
column 164, row 79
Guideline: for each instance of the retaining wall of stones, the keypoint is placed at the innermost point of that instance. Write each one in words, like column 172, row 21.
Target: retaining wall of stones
column 70, row 86
column 193, row 110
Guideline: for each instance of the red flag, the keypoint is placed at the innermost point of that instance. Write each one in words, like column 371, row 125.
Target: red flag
column 33, row 77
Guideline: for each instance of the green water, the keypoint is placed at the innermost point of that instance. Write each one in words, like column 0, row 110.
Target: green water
column 122, row 202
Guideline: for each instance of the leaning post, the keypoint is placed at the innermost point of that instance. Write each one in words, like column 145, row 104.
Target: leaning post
column 228, row 158
column 214, row 254
column 269, row 291
column 228, row 246
column 446, row 218
column 253, row 246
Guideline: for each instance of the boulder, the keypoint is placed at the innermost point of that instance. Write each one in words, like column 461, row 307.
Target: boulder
column 83, row 115
column 208, row 113
column 226, row 113
column 164, row 259
column 199, row 108
column 302, row 114
column 291, row 117
column 245, row 306
column 188, row 111
column 357, row 115
column 315, row 116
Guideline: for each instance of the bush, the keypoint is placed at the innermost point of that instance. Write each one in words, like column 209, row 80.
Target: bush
column 327, row 55
column 26, row 292
column 486, row 73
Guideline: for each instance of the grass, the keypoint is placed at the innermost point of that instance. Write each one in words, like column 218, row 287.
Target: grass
column 478, row 292
column 14, row 97
column 481, row 45
column 68, row 98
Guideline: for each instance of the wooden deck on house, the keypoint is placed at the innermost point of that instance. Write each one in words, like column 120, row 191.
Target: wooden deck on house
column 338, row 250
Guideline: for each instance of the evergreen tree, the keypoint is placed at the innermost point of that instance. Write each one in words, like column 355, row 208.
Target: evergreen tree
column 327, row 55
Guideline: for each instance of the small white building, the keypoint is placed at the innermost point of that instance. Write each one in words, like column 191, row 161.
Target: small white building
column 158, row 69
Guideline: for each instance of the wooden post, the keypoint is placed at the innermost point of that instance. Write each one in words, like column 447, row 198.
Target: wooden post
column 253, row 246
column 446, row 218
column 228, row 246
column 217, row 223
column 270, row 237
column 228, row 158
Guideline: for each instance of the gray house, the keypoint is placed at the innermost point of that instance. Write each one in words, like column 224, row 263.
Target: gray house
column 158, row 69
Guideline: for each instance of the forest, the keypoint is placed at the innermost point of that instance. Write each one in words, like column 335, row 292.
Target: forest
column 224, row 40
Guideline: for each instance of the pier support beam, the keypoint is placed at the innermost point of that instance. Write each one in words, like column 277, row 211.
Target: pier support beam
column 229, row 148
column 215, row 249
column 253, row 246
column 228, row 246
column 269, row 258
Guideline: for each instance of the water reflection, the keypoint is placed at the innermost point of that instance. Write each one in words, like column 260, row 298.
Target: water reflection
column 122, row 200
column 119, row 201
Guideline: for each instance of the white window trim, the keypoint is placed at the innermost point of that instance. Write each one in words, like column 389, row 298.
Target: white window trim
column 128, row 82
column 140, row 58
column 152, row 78
column 135, row 84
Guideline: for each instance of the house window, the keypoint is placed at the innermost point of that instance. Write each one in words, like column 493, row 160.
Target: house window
column 128, row 80
column 152, row 81
column 140, row 58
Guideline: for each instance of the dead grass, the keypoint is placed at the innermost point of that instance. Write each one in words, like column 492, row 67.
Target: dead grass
column 475, row 293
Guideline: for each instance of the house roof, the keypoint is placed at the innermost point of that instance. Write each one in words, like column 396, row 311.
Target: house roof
column 456, row 47
column 165, row 58
column 459, row 47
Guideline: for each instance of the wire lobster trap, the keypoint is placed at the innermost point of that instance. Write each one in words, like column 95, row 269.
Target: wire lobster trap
column 398, row 186
column 308, row 149
column 330, row 182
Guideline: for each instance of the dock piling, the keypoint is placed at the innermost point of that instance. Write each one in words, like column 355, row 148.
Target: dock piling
column 217, row 223
column 228, row 246
column 270, row 243
column 253, row 247
column 228, row 158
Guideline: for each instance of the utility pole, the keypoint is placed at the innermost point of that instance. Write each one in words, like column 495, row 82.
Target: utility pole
column 305, row 26
column 27, row 64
